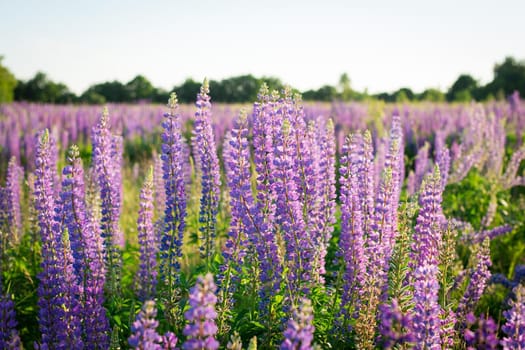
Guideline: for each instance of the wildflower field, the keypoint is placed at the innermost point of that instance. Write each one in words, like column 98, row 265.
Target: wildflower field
column 277, row 225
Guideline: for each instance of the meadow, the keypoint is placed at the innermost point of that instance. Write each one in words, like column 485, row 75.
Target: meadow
column 282, row 224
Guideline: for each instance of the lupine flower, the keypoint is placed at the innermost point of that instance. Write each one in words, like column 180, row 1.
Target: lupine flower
column 88, row 253
column 106, row 161
column 144, row 334
column 323, row 151
column 443, row 162
column 169, row 341
column 175, row 212
column 299, row 332
column 479, row 237
column 395, row 326
column 514, row 328
column 351, row 242
column 159, row 187
column 428, row 231
column 237, row 163
column 481, row 333
column 147, row 274
column 207, row 162
column 9, row 338
column 289, row 216
column 58, row 290
column 262, row 236
column 478, row 281
column 381, row 238
column 422, row 164
column 12, row 192
column 426, row 308
column 201, row 328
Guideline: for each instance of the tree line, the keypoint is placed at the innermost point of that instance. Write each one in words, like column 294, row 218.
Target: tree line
column 509, row 76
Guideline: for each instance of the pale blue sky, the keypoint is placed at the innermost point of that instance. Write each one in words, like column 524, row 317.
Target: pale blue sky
column 382, row 45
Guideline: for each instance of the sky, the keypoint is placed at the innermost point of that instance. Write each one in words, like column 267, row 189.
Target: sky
column 382, row 45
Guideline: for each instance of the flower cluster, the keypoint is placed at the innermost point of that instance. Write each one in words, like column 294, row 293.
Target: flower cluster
column 299, row 332
column 207, row 162
column 201, row 328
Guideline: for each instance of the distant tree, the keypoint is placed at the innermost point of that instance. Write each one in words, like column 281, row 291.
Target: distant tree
column 160, row 96
column 242, row 88
column 324, row 93
column 8, row 83
column 91, row 97
column 112, row 91
column 403, row 95
column 432, row 95
column 464, row 87
column 345, row 88
column 41, row 89
column 187, row 92
column 273, row 83
column 509, row 76
column 140, row 88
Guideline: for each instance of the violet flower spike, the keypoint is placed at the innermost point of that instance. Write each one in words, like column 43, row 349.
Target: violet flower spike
column 514, row 328
column 208, row 166
column 147, row 274
column 88, row 254
column 299, row 332
column 201, row 328
column 175, row 208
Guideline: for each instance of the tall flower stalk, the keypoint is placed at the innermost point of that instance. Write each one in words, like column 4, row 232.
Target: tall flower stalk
column 237, row 161
column 107, row 161
column 88, row 253
column 201, row 328
column 147, row 274
column 205, row 154
column 175, row 208
column 58, row 290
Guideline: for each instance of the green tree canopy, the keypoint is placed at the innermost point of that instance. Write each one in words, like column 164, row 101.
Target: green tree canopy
column 7, row 83
column 463, row 89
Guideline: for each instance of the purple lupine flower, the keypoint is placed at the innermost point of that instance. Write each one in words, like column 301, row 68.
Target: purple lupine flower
column 422, row 164
column 144, row 330
column 443, row 162
column 478, row 281
column 426, row 308
column 327, row 192
column 366, row 178
column 175, row 211
column 237, row 163
column 88, row 253
column 159, row 188
column 207, row 162
column 147, row 273
column 395, row 326
column 481, row 333
column 106, row 161
column 479, row 237
column 289, row 215
column 169, row 341
column 351, row 241
column 262, row 236
column 9, row 338
column 514, row 328
column 383, row 228
column 310, row 182
column 58, row 290
column 12, row 191
column 299, row 332
column 201, row 328
column 427, row 239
